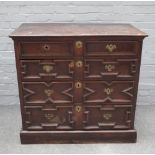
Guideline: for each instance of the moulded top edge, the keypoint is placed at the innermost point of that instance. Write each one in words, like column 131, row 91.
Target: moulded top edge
column 79, row 29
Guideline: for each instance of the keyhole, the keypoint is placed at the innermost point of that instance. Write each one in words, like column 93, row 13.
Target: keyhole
column 78, row 108
column 78, row 85
column 79, row 64
column 46, row 47
column 78, row 44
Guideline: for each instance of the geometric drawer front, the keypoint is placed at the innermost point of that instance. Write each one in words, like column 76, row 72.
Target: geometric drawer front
column 108, row 117
column 100, row 69
column 114, row 92
column 46, row 70
column 42, row 92
column 41, row 118
column 99, row 48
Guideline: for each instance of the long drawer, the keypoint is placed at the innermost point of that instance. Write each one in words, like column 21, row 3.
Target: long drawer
column 90, row 69
column 93, row 92
column 78, row 47
column 92, row 117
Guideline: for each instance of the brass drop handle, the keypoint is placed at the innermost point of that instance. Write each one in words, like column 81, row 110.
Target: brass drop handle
column 46, row 47
column 78, row 108
column 107, row 116
column 78, row 85
column 78, row 44
column 108, row 91
column 109, row 67
column 47, row 68
column 79, row 64
column 49, row 116
column 111, row 47
column 48, row 92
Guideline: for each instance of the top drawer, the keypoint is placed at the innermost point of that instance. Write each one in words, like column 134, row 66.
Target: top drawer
column 46, row 49
column 94, row 48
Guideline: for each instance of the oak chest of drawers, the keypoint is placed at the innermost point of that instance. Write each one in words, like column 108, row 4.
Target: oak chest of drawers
column 78, row 82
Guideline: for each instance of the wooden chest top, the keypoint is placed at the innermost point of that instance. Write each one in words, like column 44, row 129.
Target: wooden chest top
column 68, row 29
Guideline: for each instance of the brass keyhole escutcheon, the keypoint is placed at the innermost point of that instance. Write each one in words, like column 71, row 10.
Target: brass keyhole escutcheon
column 47, row 68
column 108, row 91
column 107, row 116
column 109, row 67
column 79, row 64
column 49, row 92
column 46, row 47
column 78, row 44
column 111, row 47
column 78, row 108
column 78, row 85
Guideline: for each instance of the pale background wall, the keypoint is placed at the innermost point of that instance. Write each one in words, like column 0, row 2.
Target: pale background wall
column 12, row 14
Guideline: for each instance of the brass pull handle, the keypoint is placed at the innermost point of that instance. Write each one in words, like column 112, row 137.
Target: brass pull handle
column 47, row 68
column 109, row 67
column 49, row 116
column 108, row 91
column 107, row 116
column 78, row 108
column 46, row 47
column 48, row 92
column 78, row 44
column 78, row 85
column 79, row 64
column 111, row 47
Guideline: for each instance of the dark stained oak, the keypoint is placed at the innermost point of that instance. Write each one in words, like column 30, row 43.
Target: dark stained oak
column 58, row 137
column 77, row 83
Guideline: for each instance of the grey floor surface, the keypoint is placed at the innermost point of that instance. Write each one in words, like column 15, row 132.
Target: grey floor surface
column 10, row 124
